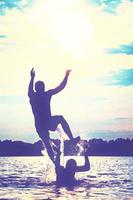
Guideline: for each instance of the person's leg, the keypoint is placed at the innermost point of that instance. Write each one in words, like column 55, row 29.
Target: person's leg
column 49, row 149
column 44, row 135
column 59, row 119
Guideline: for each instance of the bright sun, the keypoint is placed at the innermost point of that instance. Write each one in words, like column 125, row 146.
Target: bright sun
column 71, row 30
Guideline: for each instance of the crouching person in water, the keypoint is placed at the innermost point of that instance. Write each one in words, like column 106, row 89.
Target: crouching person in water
column 65, row 176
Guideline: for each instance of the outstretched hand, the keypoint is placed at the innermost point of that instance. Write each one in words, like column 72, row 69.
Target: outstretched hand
column 68, row 72
column 32, row 73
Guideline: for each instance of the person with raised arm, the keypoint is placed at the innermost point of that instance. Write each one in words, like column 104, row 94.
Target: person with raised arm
column 65, row 176
column 40, row 104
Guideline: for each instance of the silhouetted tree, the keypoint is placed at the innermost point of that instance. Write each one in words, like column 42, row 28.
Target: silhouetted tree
column 97, row 147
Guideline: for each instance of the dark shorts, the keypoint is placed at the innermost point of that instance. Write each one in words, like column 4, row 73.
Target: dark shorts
column 43, row 128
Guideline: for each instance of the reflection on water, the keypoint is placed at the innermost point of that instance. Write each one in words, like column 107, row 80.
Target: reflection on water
column 32, row 178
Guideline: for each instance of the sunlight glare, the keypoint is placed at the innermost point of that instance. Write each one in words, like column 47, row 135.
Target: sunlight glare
column 71, row 30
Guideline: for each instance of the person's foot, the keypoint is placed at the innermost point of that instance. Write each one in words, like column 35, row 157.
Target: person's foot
column 76, row 140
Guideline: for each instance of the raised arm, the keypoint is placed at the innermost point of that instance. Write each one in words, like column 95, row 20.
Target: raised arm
column 30, row 88
column 62, row 84
column 86, row 166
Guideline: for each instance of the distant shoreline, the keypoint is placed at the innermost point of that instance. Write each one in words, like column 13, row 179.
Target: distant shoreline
column 96, row 147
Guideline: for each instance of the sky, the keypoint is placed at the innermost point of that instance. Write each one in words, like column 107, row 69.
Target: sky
column 93, row 38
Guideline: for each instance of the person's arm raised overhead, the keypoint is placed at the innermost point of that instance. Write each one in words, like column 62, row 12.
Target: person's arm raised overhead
column 86, row 166
column 30, row 88
column 62, row 84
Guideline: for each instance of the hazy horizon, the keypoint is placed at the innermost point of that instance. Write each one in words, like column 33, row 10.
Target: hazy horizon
column 33, row 137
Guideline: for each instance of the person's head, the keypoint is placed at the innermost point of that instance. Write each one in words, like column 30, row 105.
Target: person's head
column 39, row 86
column 71, row 165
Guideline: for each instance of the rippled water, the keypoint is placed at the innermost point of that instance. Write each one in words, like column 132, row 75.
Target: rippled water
column 32, row 178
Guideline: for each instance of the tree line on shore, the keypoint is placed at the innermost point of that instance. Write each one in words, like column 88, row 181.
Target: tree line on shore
column 95, row 147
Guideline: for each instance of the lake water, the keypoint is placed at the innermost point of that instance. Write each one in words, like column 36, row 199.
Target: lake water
column 32, row 178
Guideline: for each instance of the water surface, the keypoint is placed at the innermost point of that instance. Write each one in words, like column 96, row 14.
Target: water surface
column 33, row 178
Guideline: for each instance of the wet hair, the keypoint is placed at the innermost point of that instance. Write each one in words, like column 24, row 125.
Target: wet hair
column 71, row 164
column 39, row 86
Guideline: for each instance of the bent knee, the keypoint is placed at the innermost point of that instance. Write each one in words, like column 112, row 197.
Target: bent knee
column 60, row 117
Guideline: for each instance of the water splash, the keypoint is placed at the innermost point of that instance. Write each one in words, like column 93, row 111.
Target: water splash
column 79, row 149
column 62, row 139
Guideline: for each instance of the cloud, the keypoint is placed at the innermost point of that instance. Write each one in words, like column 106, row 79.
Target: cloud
column 2, row 36
column 123, row 77
column 123, row 49
column 110, row 135
column 15, row 134
column 109, row 6
column 120, row 120
column 6, row 5
column 12, row 100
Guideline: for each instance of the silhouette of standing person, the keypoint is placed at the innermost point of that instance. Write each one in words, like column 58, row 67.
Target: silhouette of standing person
column 44, row 121
column 65, row 176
